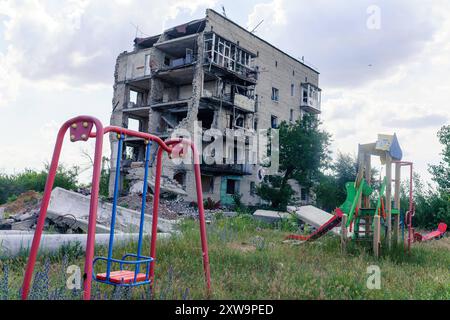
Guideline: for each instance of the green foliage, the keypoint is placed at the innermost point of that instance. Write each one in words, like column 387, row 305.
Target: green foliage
column 249, row 261
column 441, row 172
column 273, row 190
column 104, row 178
column 16, row 184
column 330, row 191
column 303, row 153
column 432, row 206
column 303, row 150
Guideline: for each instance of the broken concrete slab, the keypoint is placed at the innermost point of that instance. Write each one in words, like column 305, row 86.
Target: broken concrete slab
column 314, row 217
column 69, row 222
column 68, row 203
column 137, row 187
column 23, row 225
column 168, row 186
column 270, row 216
column 13, row 244
column 9, row 232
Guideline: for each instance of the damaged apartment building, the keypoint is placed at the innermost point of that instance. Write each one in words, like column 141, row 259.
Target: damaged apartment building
column 214, row 71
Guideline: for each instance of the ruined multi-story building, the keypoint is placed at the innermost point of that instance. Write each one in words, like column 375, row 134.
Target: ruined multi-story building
column 214, row 71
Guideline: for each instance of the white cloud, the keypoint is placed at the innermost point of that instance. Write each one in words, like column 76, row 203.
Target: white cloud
column 75, row 42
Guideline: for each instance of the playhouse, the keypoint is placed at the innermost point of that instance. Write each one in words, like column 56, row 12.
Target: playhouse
column 369, row 212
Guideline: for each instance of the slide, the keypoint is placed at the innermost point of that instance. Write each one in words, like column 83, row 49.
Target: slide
column 442, row 228
column 323, row 229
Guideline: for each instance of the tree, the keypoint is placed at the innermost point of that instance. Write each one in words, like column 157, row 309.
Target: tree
column 441, row 172
column 303, row 153
column 14, row 185
column 330, row 191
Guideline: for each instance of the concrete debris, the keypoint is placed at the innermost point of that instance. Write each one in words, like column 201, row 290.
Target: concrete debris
column 20, row 214
column 168, row 186
column 270, row 216
column 315, row 217
column 136, row 187
column 64, row 202
column 12, row 244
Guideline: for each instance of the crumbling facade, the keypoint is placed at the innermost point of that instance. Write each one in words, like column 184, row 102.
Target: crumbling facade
column 214, row 71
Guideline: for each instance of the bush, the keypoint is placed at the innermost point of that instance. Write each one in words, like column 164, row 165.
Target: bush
column 432, row 206
column 274, row 192
column 210, row 204
column 16, row 184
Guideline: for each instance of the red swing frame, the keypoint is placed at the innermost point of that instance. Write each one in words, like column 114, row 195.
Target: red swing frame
column 81, row 130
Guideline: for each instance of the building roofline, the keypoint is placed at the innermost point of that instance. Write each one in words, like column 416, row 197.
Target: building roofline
column 265, row 41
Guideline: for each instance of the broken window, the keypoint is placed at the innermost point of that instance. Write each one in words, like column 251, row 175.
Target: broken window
column 180, row 178
column 274, row 122
column 134, row 124
column 227, row 54
column 207, row 184
column 252, row 188
column 240, row 121
column 232, row 186
column 133, row 98
column 206, row 117
column 275, row 94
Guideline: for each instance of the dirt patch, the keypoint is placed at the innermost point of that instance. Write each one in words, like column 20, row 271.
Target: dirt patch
column 243, row 247
column 26, row 202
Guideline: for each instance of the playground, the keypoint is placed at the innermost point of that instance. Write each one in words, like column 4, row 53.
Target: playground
column 248, row 261
column 231, row 258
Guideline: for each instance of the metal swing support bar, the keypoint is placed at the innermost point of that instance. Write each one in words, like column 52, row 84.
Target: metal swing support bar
column 81, row 130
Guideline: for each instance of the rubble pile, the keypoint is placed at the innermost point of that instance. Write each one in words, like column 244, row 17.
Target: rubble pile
column 22, row 213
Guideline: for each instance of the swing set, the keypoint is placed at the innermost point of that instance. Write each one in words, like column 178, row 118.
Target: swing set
column 142, row 266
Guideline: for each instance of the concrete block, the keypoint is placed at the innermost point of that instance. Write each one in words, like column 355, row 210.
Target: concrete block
column 270, row 216
column 12, row 244
column 75, row 205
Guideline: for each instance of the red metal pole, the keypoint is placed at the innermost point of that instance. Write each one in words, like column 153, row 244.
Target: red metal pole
column 155, row 214
column 201, row 210
column 48, row 190
column 93, row 205
column 43, row 211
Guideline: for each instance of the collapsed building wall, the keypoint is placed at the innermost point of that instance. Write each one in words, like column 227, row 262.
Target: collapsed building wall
column 214, row 71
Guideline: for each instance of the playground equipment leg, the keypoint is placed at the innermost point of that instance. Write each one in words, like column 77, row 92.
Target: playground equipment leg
column 388, row 220
column 344, row 238
column 201, row 211
column 46, row 199
column 376, row 236
column 155, row 214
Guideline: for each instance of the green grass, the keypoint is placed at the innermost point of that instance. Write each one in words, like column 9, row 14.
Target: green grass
column 249, row 261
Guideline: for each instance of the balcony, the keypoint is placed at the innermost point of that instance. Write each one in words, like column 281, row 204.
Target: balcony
column 244, row 103
column 138, row 68
column 229, row 59
column 311, row 98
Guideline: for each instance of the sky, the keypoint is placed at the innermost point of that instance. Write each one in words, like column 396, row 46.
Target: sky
column 384, row 66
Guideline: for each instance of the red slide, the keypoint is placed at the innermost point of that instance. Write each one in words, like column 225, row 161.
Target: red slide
column 442, row 228
column 323, row 229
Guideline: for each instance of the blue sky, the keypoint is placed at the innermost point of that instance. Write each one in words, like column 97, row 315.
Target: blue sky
column 57, row 60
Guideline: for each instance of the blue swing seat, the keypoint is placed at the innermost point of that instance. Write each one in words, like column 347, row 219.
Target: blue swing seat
column 123, row 276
